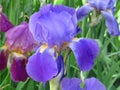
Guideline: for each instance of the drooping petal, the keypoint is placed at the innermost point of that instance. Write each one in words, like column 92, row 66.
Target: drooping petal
column 42, row 67
column 71, row 84
column 54, row 26
column 83, row 11
column 18, row 69
column 3, row 59
column 111, row 23
column 99, row 4
column 20, row 38
column 85, row 51
column 94, row 84
column 5, row 24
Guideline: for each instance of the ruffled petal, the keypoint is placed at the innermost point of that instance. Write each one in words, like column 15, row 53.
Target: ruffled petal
column 18, row 68
column 71, row 11
column 83, row 11
column 71, row 84
column 111, row 23
column 42, row 67
column 20, row 38
column 94, row 84
column 54, row 26
column 85, row 51
column 60, row 8
column 99, row 4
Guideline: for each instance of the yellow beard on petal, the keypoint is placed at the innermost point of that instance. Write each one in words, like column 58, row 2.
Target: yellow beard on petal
column 43, row 47
column 19, row 55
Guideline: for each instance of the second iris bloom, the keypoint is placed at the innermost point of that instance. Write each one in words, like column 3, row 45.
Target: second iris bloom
column 55, row 27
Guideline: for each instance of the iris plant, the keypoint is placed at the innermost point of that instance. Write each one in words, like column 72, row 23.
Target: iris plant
column 19, row 44
column 55, row 27
column 106, row 8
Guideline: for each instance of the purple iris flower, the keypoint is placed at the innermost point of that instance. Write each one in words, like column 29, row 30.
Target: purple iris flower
column 20, row 42
column 106, row 7
column 5, row 24
column 74, row 84
column 55, row 27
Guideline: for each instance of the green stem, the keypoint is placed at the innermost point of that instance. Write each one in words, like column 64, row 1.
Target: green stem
column 4, row 86
column 68, row 51
column 88, row 33
column 4, row 79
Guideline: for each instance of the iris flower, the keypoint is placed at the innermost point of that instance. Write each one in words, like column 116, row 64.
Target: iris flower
column 106, row 7
column 19, row 44
column 55, row 27
column 5, row 24
column 74, row 84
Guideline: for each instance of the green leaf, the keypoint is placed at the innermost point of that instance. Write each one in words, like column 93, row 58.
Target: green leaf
column 58, row 2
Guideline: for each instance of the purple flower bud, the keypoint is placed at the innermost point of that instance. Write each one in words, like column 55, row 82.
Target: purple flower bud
column 20, row 39
column 5, row 24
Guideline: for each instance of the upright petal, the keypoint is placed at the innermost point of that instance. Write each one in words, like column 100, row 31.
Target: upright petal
column 94, row 84
column 71, row 84
column 111, row 4
column 85, row 51
column 111, row 23
column 5, row 24
column 99, row 4
column 18, row 68
column 83, row 11
column 54, row 26
column 20, row 38
column 62, row 8
column 3, row 59
column 42, row 67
